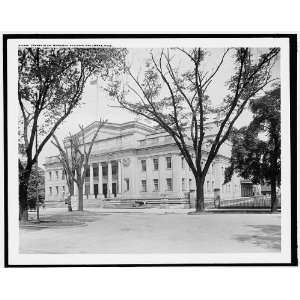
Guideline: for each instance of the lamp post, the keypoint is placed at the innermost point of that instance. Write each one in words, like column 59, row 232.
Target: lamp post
column 37, row 204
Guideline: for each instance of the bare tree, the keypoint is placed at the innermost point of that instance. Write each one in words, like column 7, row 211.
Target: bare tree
column 178, row 101
column 50, row 86
column 74, row 156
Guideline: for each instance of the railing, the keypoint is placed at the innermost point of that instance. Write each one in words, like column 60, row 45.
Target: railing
column 263, row 202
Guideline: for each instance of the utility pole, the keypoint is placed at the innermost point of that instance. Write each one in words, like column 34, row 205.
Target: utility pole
column 37, row 204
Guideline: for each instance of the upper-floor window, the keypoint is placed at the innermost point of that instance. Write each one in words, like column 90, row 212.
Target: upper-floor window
column 104, row 170
column 144, row 185
column 155, row 163
column 182, row 163
column 208, row 186
column 213, row 168
column 155, row 183
column 63, row 174
column 56, row 190
column 169, row 162
column 50, row 175
column 87, row 172
column 169, row 184
column 114, row 169
column 183, row 184
column 63, row 188
column 50, row 191
column 143, row 162
column 95, row 171
column 56, row 173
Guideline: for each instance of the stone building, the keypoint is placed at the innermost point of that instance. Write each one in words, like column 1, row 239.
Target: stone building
column 134, row 162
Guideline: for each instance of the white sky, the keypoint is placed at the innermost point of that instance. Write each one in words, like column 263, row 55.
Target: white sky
column 95, row 102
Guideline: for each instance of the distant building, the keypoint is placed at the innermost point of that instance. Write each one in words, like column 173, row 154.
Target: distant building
column 135, row 161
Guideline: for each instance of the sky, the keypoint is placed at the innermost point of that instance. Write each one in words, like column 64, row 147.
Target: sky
column 96, row 103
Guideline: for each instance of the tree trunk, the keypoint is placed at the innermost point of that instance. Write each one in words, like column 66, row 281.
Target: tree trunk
column 199, row 195
column 80, row 197
column 23, row 193
column 23, row 205
column 274, row 200
column 71, row 191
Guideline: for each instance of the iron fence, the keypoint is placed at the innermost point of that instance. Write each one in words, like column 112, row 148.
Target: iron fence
column 257, row 202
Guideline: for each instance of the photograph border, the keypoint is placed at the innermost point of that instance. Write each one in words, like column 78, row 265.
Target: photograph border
column 293, row 135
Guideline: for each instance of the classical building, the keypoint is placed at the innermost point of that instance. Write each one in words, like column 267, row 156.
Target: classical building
column 134, row 162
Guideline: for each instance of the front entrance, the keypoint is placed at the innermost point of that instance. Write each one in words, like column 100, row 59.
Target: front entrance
column 104, row 188
column 114, row 189
column 96, row 190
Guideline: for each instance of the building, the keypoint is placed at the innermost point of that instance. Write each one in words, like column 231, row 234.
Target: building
column 135, row 162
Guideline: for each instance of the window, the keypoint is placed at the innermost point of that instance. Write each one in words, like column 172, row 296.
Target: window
column 114, row 169
column 183, row 184
column 144, row 185
column 169, row 162
column 143, row 162
column 127, row 184
column 56, row 190
column 213, row 185
column 169, row 184
column 63, row 174
column 155, row 183
column 190, row 184
column 104, row 170
column 182, row 163
column 50, row 190
column 87, row 173
column 155, row 163
column 208, row 186
column 50, row 175
column 95, row 171
column 56, row 173
column 63, row 188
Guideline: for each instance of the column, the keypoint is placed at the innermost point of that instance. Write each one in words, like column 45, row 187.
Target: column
column 149, row 174
column 162, row 178
column 119, row 177
column 109, row 179
column 100, row 184
column 83, row 187
column 75, row 187
column 92, row 196
column 177, row 175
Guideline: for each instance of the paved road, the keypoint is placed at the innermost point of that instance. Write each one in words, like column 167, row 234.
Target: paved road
column 152, row 232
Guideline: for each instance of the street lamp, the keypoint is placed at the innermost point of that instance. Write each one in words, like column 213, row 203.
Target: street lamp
column 37, row 204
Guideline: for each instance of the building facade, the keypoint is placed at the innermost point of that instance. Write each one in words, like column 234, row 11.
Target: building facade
column 133, row 161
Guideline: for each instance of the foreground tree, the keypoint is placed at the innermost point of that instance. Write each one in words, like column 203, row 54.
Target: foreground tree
column 37, row 180
column 258, row 158
column 50, row 86
column 178, row 102
column 74, row 156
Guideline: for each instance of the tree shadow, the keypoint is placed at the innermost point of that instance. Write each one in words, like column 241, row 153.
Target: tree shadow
column 69, row 219
column 266, row 236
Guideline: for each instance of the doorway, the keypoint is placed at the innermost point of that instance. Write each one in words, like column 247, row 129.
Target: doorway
column 114, row 189
column 96, row 190
column 104, row 188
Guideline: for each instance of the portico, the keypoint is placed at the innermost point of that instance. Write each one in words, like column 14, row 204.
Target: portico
column 103, row 180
